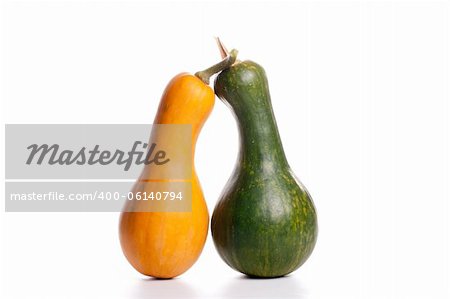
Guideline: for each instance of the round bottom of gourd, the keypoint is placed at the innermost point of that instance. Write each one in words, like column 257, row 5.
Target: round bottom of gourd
column 250, row 276
column 263, row 276
column 149, row 277
column 161, row 275
column 255, row 275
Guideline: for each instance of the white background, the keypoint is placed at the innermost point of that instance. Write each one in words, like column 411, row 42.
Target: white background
column 360, row 91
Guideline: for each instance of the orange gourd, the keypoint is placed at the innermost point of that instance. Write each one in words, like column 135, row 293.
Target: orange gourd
column 166, row 244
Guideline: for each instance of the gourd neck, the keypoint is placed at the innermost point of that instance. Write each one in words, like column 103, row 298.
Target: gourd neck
column 245, row 89
column 260, row 140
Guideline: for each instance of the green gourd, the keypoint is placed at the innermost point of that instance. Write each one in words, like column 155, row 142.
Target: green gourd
column 265, row 223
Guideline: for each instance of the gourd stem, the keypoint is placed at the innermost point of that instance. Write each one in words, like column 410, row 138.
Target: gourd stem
column 226, row 62
column 223, row 50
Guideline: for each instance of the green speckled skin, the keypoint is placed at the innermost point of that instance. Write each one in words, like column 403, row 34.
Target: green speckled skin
column 265, row 223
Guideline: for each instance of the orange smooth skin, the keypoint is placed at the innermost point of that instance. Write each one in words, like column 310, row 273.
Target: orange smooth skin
column 166, row 244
